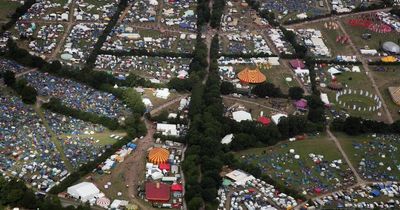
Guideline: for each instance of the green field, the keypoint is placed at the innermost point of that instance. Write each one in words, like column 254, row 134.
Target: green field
column 355, row 34
column 302, row 174
column 389, row 78
column 373, row 150
column 7, row 8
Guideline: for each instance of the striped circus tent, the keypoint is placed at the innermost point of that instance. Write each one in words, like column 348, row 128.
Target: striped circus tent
column 103, row 202
column 158, row 155
column 395, row 94
column 251, row 76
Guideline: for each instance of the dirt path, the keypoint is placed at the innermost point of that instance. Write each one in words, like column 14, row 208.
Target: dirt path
column 254, row 103
column 70, row 23
column 346, row 158
column 134, row 166
column 338, row 16
column 167, row 104
column 25, row 72
column 368, row 72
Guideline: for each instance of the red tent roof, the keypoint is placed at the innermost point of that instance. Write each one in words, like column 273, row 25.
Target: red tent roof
column 176, row 187
column 157, row 192
column 165, row 166
column 264, row 120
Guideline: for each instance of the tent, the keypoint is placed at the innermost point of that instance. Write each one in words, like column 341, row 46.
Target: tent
column 239, row 116
column 395, row 94
column 391, row 47
column 389, row 59
column 158, row 155
column 264, row 120
column 164, row 166
column 251, row 76
column 227, row 139
column 83, row 191
column 297, row 64
column 277, row 117
column 177, row 187
column 157, row 192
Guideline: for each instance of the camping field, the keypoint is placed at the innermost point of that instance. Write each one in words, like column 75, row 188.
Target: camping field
column 372, row 156
column 302, row 172
column 277, row 75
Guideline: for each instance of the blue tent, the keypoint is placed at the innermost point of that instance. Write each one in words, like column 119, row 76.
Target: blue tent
column 375, row 193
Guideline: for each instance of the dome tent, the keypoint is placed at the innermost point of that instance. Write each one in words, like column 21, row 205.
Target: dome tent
column 391, row 47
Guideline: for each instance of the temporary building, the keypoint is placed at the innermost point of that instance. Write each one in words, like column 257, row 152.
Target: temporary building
column 391, row 47
column 239, row 177
column 264, row 120
column 164, row 166
column 297, row 64
column 324, row 98
column 162, row 93
column 103, row 202
column 157, row 192
column 177, row 187
column 167, row 129
column 395, row 94
column 389, row 59
column 239, row 116
column 117, row 204
column 251, row 76
column 158, row 155
column 83, row 191
column 227, row 139
column 301, row 104
column 277, row 117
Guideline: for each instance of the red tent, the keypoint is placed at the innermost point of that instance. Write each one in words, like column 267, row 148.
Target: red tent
column 264, row 120
column 164, row 166
column 177, row 187
column 157, row 192
column 297, row 64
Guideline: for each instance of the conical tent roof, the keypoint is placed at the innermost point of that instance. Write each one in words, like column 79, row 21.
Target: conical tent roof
column 158, row 155
column 251, row 76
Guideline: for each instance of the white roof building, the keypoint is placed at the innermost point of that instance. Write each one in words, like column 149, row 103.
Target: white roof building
column 84, row 191
column 227, row 139
column 240, row 177
column 167, row 129
column 239, row 116
column 276, row 118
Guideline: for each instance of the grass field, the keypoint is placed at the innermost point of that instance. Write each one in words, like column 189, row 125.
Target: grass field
column 355, row 34
column 302, row 173
column 277, row 75
column 389, row 78
column 373, row 151
column 7, row 8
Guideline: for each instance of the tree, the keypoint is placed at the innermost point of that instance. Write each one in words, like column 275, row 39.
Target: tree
column 28, row 95
column 227, row 88
column 352, row 126
column 195, row 203
column 266, row 89
column 134, row 101
column 9, row 78
column 296, row 93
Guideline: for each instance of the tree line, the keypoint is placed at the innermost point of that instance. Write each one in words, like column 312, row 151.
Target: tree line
column 217, row 12
column 19, row 12
column 28, row 94
column 14, row 193
column 356, row 125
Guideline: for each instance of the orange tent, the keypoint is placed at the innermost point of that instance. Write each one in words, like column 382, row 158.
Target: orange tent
column 389, row 59
column 252, row 76
column 158, row 155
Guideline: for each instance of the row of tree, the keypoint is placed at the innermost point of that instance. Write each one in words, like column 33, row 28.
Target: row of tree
column 216, row 14
column 28, row 94
column 357, row 125
column 91, row 60
column 14, row 193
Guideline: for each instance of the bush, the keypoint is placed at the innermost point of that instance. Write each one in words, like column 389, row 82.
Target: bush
column 267, row 89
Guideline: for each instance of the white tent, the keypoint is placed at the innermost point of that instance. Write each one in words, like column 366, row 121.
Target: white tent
column 324, row 98
column 277, row 117
column 83, row 191
column 147, row 102
column 227, row 139
column 239, row 116
column 239, row 177
column 162, row 93
column 167, row 129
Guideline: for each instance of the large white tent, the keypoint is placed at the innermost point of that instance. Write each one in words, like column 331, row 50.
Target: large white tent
column 239, row 116
column 84, row 191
